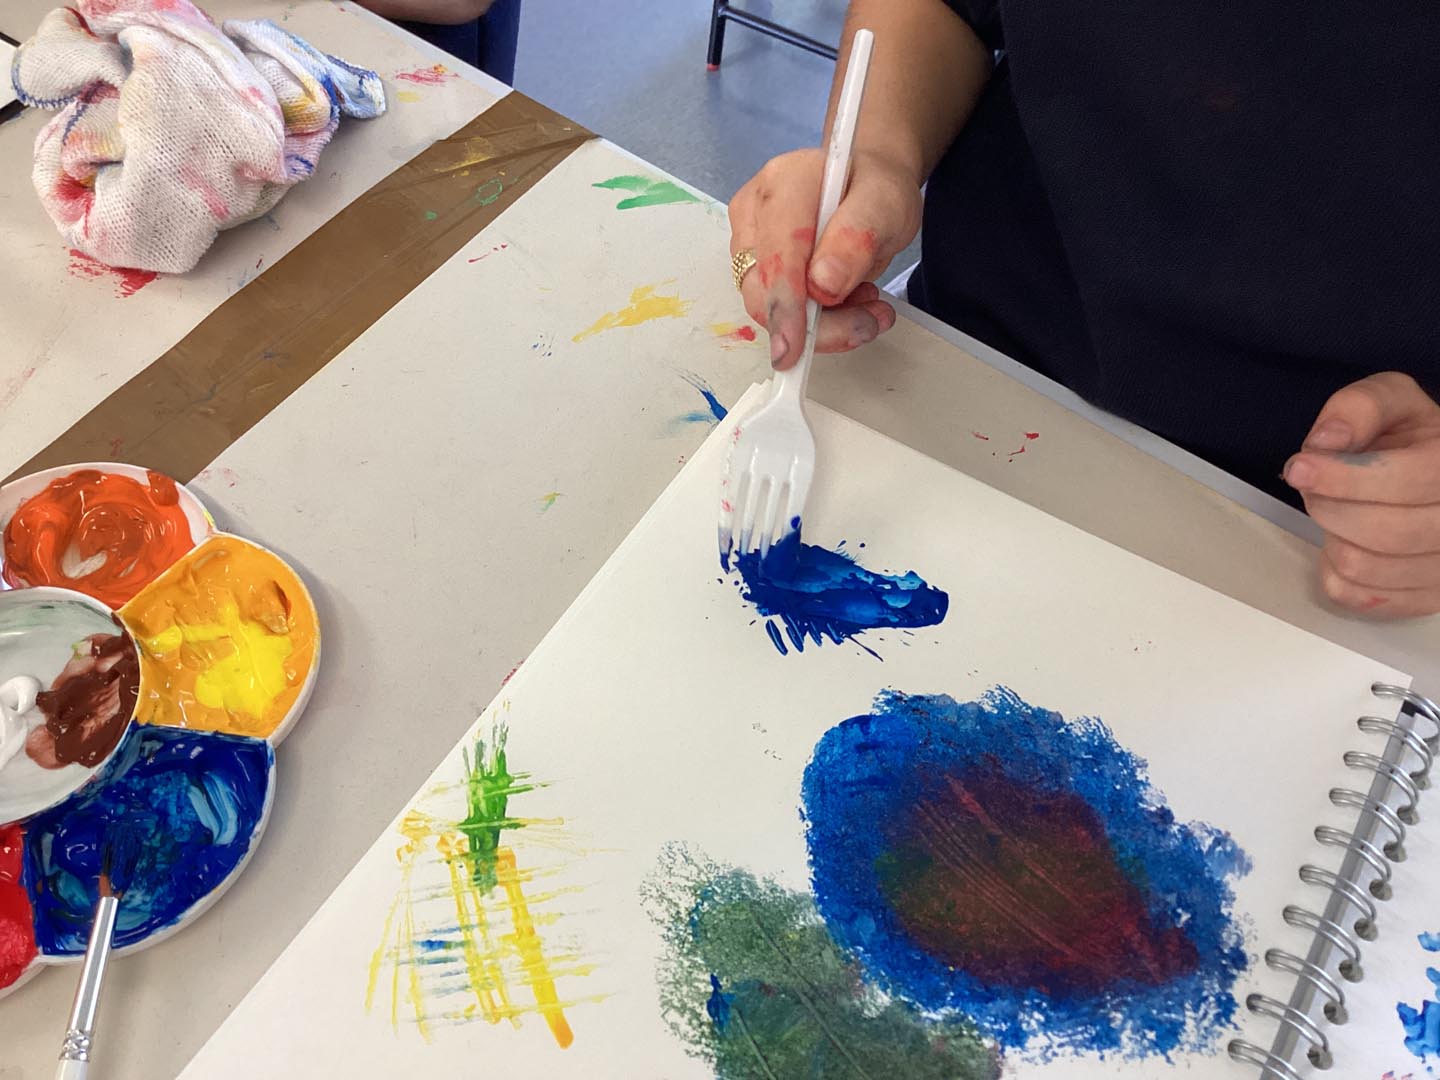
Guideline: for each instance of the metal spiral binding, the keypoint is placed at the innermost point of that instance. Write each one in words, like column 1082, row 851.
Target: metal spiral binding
column 1392, row 821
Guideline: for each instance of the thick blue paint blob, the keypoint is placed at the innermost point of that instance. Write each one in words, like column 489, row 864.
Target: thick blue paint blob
column 191, row 800
column 1141, row 963
column 1430, row 942
column 1422, row 1025
column 811, row 593
column 717, row 1006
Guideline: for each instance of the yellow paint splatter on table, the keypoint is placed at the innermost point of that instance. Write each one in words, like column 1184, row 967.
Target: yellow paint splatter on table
column 644, row 306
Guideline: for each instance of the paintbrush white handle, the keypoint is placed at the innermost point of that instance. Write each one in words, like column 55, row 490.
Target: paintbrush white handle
column 75, row 1051
column 832, row 189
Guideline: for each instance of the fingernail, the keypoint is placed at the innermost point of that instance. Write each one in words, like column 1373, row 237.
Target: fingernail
column 778, row 348
column 1299, row 473
column 827, row 275
column 865, row 331
column 1331, row 435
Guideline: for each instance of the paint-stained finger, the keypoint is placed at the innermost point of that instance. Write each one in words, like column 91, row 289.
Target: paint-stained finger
column 787, row 200
column 1378, row 527
column 1377, row 603
column 1372, row 570
column 879, row 215
column 844, row 328
column 1404, row 476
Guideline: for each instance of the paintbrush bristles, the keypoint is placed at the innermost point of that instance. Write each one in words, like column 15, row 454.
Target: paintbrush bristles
column 122, row 847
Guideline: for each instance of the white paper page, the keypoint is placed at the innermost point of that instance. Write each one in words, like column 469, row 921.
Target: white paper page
column 659, row 711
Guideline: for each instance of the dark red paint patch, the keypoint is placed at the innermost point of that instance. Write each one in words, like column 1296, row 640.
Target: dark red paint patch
column 128, row 281
column 1020, row 887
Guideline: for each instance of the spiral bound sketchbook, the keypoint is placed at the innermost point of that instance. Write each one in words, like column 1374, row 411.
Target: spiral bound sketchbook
column 948, row 788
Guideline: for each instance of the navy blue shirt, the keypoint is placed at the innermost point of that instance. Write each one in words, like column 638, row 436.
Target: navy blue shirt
column 1203, row 215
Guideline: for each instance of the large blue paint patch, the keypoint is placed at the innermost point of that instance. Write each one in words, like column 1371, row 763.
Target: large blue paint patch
column 993, row 858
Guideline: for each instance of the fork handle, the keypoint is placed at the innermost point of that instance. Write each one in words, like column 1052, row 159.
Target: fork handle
column 792, row 383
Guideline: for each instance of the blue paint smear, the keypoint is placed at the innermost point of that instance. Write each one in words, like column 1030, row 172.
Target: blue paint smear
column 193, row 801
column 1422, row 1025
column 714, row 413
column 872, row 770
column 1430, row 942
column 810, row 593
column 717, row 1006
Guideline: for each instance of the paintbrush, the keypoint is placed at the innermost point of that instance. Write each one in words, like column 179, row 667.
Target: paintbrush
column 121, row 848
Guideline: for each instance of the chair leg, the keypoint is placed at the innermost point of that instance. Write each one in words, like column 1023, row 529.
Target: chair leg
column 717, row 35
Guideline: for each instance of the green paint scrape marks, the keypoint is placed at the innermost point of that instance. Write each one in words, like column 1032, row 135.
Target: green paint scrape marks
column 646, row 192
column 752, row 982
column 488, row 787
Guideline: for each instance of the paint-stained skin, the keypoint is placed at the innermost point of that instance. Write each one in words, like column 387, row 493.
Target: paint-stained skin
column 994, row 858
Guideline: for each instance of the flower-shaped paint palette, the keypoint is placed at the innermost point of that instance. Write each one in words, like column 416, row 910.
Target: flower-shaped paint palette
column 149, row 665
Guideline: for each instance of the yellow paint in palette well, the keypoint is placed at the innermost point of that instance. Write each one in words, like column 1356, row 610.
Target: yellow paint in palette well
column 227, row 639
column 643, row 307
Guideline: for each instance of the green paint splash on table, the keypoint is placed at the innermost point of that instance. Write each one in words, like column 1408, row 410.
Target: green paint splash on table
column 752, row 982
column 549, row 499
column 647, row 192
column 431, row 215
column 488, row 787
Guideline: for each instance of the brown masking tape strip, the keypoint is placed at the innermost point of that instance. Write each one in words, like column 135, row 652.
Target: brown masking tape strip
column 264, row 342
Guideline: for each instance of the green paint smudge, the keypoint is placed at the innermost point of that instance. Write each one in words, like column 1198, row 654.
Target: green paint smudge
column 488, row 787
column 431, row 215
column 752, row 982
column 647, row 192
column 549, row 499
column 489, row 191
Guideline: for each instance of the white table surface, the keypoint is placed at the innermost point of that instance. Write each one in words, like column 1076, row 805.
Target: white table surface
column 404, row 481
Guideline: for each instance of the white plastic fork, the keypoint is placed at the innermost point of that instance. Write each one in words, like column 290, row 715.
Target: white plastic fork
column 772, row 452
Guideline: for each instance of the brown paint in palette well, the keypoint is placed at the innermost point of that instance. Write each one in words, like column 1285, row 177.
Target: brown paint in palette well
column 88, row 705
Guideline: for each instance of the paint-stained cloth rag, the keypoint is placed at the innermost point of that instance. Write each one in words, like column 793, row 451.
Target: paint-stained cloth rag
column 170, row 128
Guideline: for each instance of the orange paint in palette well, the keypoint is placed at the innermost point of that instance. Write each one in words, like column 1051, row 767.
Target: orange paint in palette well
column 102, row 534
column 228, row 639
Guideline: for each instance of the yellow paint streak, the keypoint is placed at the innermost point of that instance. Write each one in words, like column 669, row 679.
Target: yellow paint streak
column 415, row 828
column 410, row 97
column 644, row 306
column 477, row 149
column 532, row 954
column 483, row 955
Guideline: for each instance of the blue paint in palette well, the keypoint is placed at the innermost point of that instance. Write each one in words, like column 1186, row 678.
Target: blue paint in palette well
column 193, row 803
column 810, row 593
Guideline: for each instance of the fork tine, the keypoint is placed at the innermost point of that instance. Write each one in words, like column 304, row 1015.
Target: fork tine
column 794, row 505
column 727, row 521
column 770, row 518
column 753, row 484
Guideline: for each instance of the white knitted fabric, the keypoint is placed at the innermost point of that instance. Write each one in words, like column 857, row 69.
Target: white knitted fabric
column 169, row 130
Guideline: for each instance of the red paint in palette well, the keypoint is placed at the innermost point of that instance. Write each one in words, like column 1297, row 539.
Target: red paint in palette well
column 17, row 920
column 128, row 281
column 1020, row 887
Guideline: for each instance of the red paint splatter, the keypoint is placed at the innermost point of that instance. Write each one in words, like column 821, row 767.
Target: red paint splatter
column 982, row 438
column 746, row 333
column 1032, row 434
column 487, row 254
column 513, row 670
column 865, row 239
column 725, row 505
column 75, row 197
column 1018, row 886
column 115, row 446
column 769, row 269
column 17, row 921
column 127, row 281
column 431, row 76
column 1016, row 453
